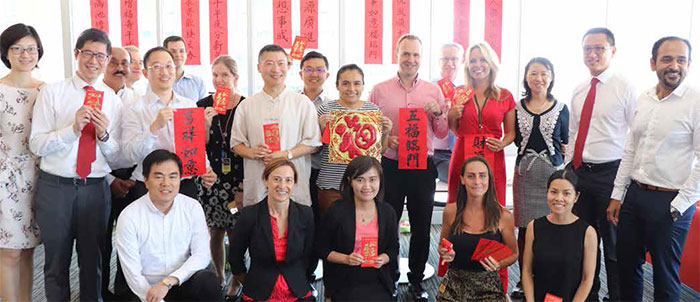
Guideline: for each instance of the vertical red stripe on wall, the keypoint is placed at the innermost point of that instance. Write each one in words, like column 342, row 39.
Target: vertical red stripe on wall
column 494, row 24
column 373, row 31
column 190, row 30
column 282, row 22
column 309, row 22
column 130, row 25
column 218, row 29
column 461, row 23
column 98, row 15
column 400, row 23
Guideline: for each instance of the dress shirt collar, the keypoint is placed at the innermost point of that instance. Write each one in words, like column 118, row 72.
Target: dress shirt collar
column 271, row 98
column 678, row 92
column 115, row 91
column 604, row 76
column 319, row 99
column 79, row 83
column 153, row 209
column 413, row 85
column 186, row 75
column 152, row 97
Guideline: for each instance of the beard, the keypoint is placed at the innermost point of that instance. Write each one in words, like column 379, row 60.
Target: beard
column 672, row 84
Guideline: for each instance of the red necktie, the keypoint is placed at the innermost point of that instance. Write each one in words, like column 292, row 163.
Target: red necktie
column 86, row 148
column 584, row 123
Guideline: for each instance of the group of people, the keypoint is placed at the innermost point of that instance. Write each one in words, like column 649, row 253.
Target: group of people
column 76, row 172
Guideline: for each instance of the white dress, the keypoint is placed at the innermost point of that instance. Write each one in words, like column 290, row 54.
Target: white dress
column 18, row 169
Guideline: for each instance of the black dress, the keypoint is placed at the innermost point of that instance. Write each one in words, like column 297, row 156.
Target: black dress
column 557, row 262
column 216, row 199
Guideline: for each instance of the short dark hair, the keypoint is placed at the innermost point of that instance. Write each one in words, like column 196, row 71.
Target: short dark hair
column 566, row 174
column 13, row 34
column 349, row 67
column 93, row 35
column 270, row 48
column 157, row 157
column 313, row 55
column 152, row 50
column 174, row 39
column 657, row 45
column 550, row 67
column 358, row 166
column 601, row 30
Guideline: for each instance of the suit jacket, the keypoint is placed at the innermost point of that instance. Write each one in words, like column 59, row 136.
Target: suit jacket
column 253, row 232
column 338, row 225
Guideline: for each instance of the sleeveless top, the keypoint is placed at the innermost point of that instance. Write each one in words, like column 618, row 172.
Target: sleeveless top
column 464, row 245
column 557, row 262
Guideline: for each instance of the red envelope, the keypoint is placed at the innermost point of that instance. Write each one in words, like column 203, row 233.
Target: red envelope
column 448, row 89
column 93, row 99
column 369, row 251
column 501, row 253
column 552, row 298
column 272, row 136
column 480, row 246
column 221, row 99
column 326, row 136
column 446, row 244
column 298, row 47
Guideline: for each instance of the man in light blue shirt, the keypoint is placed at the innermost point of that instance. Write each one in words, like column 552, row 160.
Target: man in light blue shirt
column 187, row 85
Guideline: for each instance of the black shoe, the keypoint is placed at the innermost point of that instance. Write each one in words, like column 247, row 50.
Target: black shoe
column 395, row 292
column 517, row 292
column 314, row 292
column 417, row 292
column 606, row 298
column 235, row 297
column 108, row 296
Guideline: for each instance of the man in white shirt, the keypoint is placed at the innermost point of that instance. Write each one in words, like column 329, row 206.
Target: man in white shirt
column 162, row 239
column 659, row 176
column 595, row 156
column 148, row 123
column 295, row 117
column 186, row 84
column 75, row 145
column 451, row 58
column 134, row 80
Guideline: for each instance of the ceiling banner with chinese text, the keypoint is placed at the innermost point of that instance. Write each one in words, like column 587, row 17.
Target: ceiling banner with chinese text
column 373, row 31
column 282, row 22
column 461, row 23
column 190, row 30
column 494, row 24
column 99, row 15
column 400, row 23
column 218, row 29
column 309, row 22
column 130, row 25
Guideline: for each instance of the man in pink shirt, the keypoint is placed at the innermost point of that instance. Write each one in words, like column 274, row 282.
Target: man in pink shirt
column 415, row 186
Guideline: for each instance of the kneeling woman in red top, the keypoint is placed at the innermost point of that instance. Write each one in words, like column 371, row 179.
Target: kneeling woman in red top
column 278, row 234
column 359, row 237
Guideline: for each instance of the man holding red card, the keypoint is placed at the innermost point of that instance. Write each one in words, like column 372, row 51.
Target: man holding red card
column 416, row 186
column 451, row 55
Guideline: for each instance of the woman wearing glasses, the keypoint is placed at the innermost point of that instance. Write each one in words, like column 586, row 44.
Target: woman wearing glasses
column 21, row 50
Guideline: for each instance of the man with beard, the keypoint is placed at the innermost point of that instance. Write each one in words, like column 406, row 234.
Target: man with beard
column 658, row 179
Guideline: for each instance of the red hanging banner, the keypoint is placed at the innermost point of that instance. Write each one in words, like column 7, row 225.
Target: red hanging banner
column 413, row 145
column 190, row 145
column 400, row 23
column 218, row 29
column 373, row 31
column 494, row 24
column 282, row 23
column 130, row 23
column 98, row 15
column 309, row 22
column 190, row 30
column 461, row 23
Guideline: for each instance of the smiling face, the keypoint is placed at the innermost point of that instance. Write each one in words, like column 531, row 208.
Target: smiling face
column 408, row 54
column 117, row 69
column 221, row 76
column 561, row 196
column 314, row 73
column 280, row 184
column 160, row 71
column 135, row 67
column 90, row 68
column 179, row 51
column 478, row 67
column 538, row 78
column 163, row 182
column 476, row 179
column 597, row 53
column 672, row 63
column 350, row 86
column 449, row 61
column 23, row 61
column 273, row 67
column 365, row 187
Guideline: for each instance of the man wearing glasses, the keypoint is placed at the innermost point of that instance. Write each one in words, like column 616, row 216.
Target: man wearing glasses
column 133, row 80
column 75, row 143
column 148, row 123
column 451, row 55
column 602, row 108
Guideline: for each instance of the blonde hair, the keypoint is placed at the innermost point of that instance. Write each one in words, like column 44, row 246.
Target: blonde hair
column 229, row 62
column 489, row 54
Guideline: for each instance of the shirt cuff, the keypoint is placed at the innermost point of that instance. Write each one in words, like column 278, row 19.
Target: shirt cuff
column 619, row 194
column 67, row 135
column 681, row 203
column 110, row 178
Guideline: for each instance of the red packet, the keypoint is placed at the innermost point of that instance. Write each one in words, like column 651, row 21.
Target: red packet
column 326, row 136
column 298, row 47
column 489, row 249
column 501, row 253
column 190, row 136
column 448, row 89
column 462, row 95
column 446, row 244
column 272, row 136
column 552, row 298
column 221, row 99
column 478, row 251
column 413, row 145
column 369, row 251
column 93, row 99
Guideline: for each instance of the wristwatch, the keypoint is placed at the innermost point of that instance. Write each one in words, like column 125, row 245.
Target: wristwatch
column 675, row 214
column 104, row 138
column 289, row 154
column 166, row 282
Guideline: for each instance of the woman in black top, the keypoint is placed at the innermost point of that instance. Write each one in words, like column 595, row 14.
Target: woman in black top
column 360, row 213
column 560, row 248
column 476, row 215
column 218, row 200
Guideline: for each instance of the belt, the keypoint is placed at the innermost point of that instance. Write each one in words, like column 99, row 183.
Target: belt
column 647, row 187
column 599, row 167
column 71, row 181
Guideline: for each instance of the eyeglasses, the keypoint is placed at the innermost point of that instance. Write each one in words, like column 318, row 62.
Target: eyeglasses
column 159, row 67
column 450, row 59
column 87, row 54
column 595, row 49
column 18, row 50
column 310, row 70
column 124, row 63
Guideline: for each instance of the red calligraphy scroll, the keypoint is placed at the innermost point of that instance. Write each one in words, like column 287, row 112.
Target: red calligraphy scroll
column 475, row 145
column 218, row 29
column 353, row 134
column 190, row 30
column 221, row 99
column 282, row 22
column 400, row 23
column 373, row 31
column 298, row 47
column 188, row 125
column 130, row 23
column 99, row 15
column 309, row 22
column 494, row 24
column 461, row 23
column 447, row 88
column 93, row 99
column 413, row 145
column 271, row 134
column 369, row 251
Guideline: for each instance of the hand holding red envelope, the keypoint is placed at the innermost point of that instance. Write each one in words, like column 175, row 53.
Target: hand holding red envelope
column 221, row 97
column 272, row 136
column 552, row 298
column 369, row 251
column 490, row 248
column 93, row 99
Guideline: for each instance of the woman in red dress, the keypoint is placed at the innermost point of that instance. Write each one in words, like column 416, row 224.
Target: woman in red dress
column 482, row 108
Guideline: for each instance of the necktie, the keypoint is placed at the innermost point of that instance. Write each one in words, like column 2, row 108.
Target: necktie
column 86, row 148
column 584, row 123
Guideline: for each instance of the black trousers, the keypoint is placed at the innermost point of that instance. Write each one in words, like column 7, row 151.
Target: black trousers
column 313, row 191
column 68, row 209
column 417, row 188
column 596, row 184
column 202, row 286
